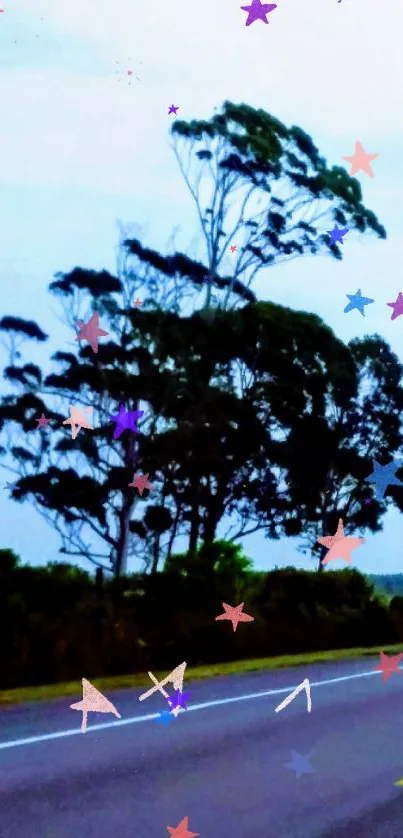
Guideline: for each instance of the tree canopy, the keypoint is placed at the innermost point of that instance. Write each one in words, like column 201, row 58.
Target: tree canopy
column 236, row 405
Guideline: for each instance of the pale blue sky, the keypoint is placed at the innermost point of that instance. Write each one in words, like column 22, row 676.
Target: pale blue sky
column 79, row 151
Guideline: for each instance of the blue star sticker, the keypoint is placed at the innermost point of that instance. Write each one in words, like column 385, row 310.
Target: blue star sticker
column 384, row 476
column 357, row 301
column 165, row 718
column 336, row 235
column 300, row 764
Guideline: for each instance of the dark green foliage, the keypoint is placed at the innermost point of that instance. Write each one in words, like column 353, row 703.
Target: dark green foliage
column 388, row 584
column 57, row 623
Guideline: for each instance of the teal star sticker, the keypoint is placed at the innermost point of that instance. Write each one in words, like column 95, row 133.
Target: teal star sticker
column 301, row 764
column 384, row 476
column 357, row 301
column 165, row 718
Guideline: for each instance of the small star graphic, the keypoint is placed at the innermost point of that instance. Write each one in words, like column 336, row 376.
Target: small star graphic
column 336, row 235
column 388, row 665
column 42, row 421
column 90, row 331
column 233, row 248
column 173, row 109
column 384, row 476
column 140, row 482
column 128, row 72
column 258, row 11
column 179, row 700
column 340, row 546
column 361, row 161
column 235, row 614
column 137, row 302
column 357, row 301
column 126, row 419
column 181, row 831
column 300, row 763
column 368, row 500
column 165, row 718
column 397, row 306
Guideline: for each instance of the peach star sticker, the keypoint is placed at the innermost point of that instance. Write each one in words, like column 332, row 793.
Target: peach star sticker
column 77, row 420
column 90, row 331
column 388, row 665
column 235, row 614
column 361, row 161
column 339, row 545
column 181, row 831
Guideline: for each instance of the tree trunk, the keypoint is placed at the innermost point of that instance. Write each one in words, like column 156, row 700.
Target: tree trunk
column 120, row 558
column 174, row 531
column 323, row 551
column 156, row 553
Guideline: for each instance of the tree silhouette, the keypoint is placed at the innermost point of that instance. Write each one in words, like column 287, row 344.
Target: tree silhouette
column 265, row 188
column 236, row 404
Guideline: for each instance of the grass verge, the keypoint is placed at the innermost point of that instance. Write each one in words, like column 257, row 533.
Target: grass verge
column 121, row 682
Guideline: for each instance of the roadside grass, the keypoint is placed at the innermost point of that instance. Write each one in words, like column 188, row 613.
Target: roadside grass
column 121, row 682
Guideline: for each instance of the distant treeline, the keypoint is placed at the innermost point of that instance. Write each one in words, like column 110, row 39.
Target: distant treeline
column 389, row 584
column 59, row 623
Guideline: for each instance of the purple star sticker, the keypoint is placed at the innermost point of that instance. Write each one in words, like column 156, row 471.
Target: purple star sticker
column 173, row 109
column 179, row 701
column 258, row 11
column 126, row 419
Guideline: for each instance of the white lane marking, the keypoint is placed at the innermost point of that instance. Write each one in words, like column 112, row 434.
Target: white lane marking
column 47, row 737
column 305, row 685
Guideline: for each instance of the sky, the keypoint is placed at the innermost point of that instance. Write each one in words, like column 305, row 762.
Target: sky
column 82, row 150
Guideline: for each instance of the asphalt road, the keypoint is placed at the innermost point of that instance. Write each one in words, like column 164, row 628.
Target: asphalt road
column 220, row 764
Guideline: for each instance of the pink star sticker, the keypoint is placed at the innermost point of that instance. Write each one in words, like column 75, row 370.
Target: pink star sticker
column 42, row 421
column 388, row 665
column 233, row 248
column 397, row 306
column 181, row 831
column 339, row 545
column 90, row 331
column 235, row 614
column 140, row 482
column 137, row 302
column 361, row 161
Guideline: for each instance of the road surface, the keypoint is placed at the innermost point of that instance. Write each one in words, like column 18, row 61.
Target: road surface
column 220, row 763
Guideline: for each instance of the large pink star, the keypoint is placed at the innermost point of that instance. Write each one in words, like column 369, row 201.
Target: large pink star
column 340, row 546
column 361, row 161
column 90, row 331
column 235, row 614
column 397, row 306
column 258, row 11
column 388, row 665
